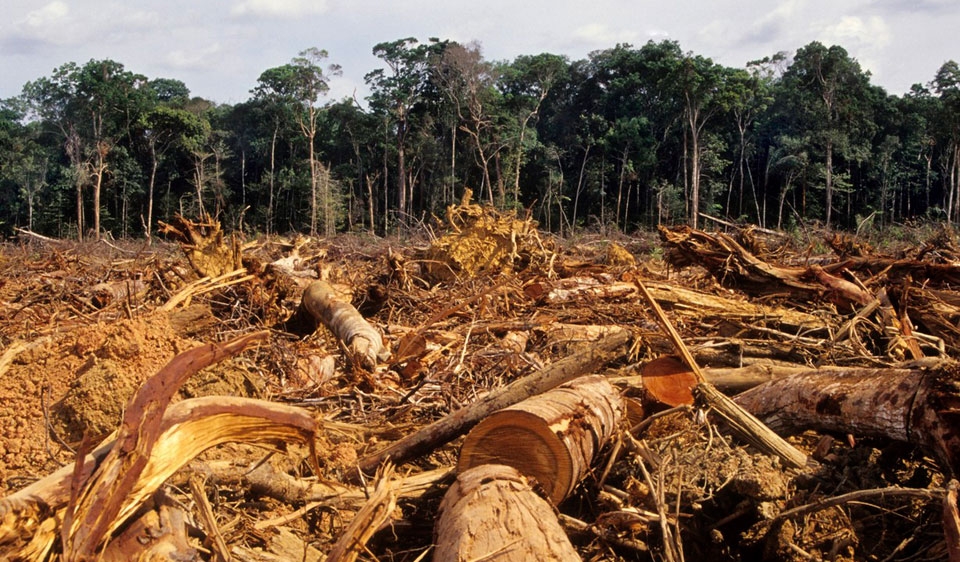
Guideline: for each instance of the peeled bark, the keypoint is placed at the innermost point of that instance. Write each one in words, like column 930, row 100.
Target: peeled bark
column 551, row 438
column 912, row 405
column 491, row 512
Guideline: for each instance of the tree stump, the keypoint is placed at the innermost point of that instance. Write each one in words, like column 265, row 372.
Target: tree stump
column 491, row 512
column 551, row 438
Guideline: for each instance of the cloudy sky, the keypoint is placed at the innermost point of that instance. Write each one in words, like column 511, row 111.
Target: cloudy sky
column 220, row 47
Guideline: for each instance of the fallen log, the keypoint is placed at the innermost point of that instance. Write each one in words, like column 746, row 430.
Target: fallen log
column 362, row 341
column 912, row 405
column 686, row 302
column 733, row 265
column 460, row 421
column 923, row 272
column 491, row 512
column 729, row 380
column 551, row 438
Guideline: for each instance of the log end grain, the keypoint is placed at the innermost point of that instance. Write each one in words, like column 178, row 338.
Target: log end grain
column 525, row 442
column 669, row 381
column 551, row 438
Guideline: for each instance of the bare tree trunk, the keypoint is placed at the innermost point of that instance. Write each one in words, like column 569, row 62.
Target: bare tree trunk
column 402, row 162
column 694, row 169
column 623, row 174
column 576, row 196
column 150, row 189
column 829, row 181
column 371, row 203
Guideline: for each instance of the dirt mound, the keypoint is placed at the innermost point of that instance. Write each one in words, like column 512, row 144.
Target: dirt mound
column 75, row 383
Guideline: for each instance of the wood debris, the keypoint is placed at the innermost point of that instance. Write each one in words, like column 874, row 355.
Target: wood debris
column 634, row 400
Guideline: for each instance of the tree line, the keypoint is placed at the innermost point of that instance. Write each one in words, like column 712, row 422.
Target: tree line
column 628, row 138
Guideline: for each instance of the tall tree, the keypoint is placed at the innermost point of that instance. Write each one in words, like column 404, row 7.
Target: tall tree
column 946, row 84
column 302, row 82
column 468, row 82
column 92, row 106
column 830, row 89
column 704, row 88
column 164, row 129
column 23, row 160
column 396, row 90
column 526, row 83
column 750, row 97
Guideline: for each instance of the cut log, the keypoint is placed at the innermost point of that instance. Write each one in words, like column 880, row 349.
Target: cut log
column 491, row 512
column 460, row 421
column 669, row 381
column 551, row 438
column 912, row 405
column 363, row 342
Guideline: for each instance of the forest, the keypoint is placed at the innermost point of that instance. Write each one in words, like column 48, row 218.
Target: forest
column 626, row 139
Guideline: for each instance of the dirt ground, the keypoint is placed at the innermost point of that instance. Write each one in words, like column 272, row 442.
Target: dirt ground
column 82, row 327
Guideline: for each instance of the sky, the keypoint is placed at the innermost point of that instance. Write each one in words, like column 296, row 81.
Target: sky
column 218, row 48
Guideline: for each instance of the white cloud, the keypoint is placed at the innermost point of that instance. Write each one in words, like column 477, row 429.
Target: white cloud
column 864, row 39
column 194, row 59
column 773, row 25
column 658, row 34
column 872, row 32
column 279, row 8
column 46, row 24
column 598, row 34
column 51, row 13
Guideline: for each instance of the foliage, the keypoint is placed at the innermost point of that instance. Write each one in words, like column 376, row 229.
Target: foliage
column 628, row 137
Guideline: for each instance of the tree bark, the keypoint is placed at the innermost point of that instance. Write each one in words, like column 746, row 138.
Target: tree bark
column 552, row 438
column 491, row 512
column 911, row 405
